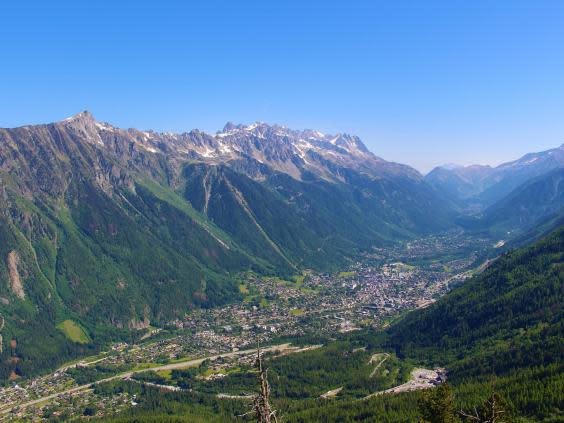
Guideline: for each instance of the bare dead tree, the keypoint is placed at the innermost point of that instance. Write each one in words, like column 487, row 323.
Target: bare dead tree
column 491, row 412
column 261, row 407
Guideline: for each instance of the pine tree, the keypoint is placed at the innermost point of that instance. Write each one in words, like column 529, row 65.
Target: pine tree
column 437, row 405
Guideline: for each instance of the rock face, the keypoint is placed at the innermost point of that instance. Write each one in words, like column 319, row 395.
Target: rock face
column 15, row 281
column 139, row 324
column 293, row 152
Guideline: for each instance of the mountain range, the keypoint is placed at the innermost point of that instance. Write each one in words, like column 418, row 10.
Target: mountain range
column 117, row 229
column 484, row 185
column 538, row 200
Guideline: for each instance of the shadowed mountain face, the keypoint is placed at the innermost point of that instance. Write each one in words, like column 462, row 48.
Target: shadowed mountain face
column 534, row 206
column 482, row 186
column 116, row 229
column 532, row 203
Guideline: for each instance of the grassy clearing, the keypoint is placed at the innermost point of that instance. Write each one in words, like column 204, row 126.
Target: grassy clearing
column 165, row 374
column 346, row 274
column 295, row 282
column 296, row 312
column 298, row 279
column 74, row 332
column 182, row 359
column 143, row 366
column 209, row 372
column 280, row 281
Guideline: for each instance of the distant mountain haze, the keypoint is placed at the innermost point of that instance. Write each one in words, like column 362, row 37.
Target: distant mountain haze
column 485, row 185
column 534, row 203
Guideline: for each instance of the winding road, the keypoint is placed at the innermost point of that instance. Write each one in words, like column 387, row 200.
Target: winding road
column 125, row 375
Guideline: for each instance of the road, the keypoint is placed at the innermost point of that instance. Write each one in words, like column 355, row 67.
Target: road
column 125, row 375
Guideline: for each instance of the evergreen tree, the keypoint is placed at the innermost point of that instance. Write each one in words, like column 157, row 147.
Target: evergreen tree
column 437, row 405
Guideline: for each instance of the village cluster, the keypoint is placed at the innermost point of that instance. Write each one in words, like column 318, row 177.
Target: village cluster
column 369, row 294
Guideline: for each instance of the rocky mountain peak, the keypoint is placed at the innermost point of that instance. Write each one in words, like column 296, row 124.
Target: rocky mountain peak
column 275, row 133
column 282, row 149
column 83, row 117
column 85, row 125
column 229, row 126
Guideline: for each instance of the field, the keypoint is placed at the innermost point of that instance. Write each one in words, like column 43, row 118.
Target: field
column 73, row 331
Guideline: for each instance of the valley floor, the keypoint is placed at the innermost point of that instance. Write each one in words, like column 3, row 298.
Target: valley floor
column 307, row 309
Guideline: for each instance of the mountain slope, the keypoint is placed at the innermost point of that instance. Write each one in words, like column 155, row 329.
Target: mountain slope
column 541, row 229
column 500, row 331
column 484, row 185
column 118, row 229
column 507, row 318
column 323, row 221
column 459, row 182
column 527, row 205
column 120, row 264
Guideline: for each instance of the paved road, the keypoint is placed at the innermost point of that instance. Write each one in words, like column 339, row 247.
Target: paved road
column 172, row 366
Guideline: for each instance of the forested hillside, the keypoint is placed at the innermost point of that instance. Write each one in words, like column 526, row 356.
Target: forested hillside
column 499, row 332
column 508, row 317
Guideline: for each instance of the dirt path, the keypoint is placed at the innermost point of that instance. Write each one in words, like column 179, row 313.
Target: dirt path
column 157, row 385
column 375, row 357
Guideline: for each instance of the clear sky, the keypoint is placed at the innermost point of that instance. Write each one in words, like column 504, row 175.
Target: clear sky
column 422, row 82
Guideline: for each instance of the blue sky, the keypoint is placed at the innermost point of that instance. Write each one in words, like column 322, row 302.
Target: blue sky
column 422, row 82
